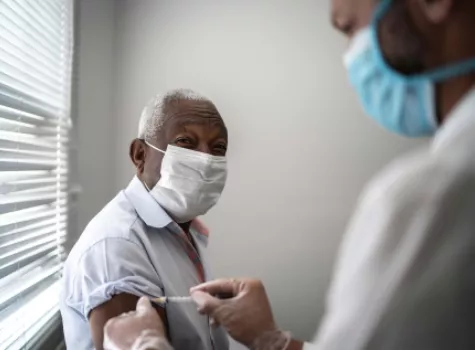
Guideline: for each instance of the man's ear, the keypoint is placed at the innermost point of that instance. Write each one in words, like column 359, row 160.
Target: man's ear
column 137, row 154
column 436, row 11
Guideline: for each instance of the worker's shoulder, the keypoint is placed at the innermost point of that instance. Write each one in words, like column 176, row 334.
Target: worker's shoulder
column 424, row 175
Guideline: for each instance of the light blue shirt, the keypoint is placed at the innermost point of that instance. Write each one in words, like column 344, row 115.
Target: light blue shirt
column 132, row 246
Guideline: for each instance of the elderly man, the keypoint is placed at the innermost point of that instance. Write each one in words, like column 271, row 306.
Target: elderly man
column 147, row 241
column 404, row 278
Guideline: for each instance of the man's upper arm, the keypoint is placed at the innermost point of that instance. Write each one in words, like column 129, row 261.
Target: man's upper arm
column 116, row 306
column 110, row 278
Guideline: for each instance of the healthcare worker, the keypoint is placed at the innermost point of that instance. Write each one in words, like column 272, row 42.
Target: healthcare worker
column 405, row 275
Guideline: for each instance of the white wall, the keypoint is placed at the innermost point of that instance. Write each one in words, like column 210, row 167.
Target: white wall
column 95, row 64
column 300, row 149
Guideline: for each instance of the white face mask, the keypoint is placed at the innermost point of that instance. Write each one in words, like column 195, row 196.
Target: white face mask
column 191, row 182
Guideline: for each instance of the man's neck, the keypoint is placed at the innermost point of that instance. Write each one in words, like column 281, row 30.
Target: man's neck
column 451, row 92
column 185, row 226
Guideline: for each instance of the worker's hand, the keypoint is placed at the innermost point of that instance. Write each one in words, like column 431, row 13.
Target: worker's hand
column 247, row 316
column 133, row 329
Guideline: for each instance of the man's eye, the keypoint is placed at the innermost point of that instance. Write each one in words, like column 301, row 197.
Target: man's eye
column 184, row 141
column 220, row 149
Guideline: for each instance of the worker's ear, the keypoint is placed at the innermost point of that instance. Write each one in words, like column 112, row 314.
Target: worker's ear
column 435, row 11
column 137, row 153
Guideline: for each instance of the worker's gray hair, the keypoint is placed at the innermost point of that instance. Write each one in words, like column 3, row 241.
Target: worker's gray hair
column 153, row 115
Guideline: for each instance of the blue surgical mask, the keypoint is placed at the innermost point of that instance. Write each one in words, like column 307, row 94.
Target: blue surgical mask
column 401, row 104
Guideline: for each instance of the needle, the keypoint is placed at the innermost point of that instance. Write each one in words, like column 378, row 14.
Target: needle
column 175, row 299
column 165, row 300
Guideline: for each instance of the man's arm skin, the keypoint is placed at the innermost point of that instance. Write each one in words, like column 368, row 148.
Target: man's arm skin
column 116, row 306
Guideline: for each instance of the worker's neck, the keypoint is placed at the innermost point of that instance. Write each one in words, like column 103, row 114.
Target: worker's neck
column 454, row 48
column 451, row 92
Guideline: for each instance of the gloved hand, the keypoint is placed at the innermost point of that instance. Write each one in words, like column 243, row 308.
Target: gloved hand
column 247, row 316
column 139, row 329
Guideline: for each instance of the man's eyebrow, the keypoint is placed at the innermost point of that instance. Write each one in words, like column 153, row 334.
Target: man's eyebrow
column 213, row 121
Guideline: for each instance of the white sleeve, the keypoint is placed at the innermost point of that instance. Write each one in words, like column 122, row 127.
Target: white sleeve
column 403, row 273
column 112, row 266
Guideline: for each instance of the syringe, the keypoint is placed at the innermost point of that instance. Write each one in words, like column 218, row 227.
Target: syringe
column 166, row 300
column 162, row 301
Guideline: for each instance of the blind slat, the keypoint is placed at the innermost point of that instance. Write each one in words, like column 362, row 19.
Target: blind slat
column 48, row 19
column 25, row 154
column 30, row 139
column 31, row 198
column 7, row 176
column 40, row 190
column 28, row 164
column 9, row 232
column 33, row 21
column 34, row 24
column 35, row 82
column 23, row 54
column 31, row 118
column 30, row 238
column 16, row 72
column 23, row 86
column 30, row 104
column 19, row 252
column 23, row 321
column 14, row 263
column 25, row 300
column 55, row 8
column 29, row 281
column 13, row 24
column 28, row 184
column 12, row 61
column 30, row 213
column 24, row 42
column 28, row 145
column 28, row 130
column 26, row 269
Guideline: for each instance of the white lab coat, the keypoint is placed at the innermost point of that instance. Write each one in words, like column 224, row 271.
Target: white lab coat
column 405, row 277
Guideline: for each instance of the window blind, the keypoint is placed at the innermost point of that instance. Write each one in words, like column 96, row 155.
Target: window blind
column 36, row 41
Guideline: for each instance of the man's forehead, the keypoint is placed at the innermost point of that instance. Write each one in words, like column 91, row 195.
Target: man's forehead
column 184, row 121
column 185, row 113
column 352, row 5
column 212, row 124
column 190, row 108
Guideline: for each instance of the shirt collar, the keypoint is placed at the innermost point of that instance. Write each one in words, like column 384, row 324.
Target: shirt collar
column 459, row 120
column 145, row 206
column 151, row 212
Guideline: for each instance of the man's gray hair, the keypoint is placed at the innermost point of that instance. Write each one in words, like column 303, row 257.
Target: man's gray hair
column 153, row 116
